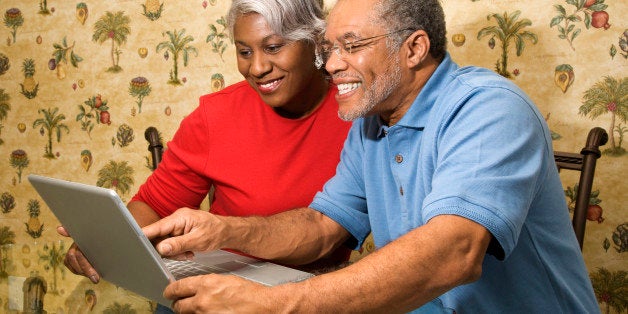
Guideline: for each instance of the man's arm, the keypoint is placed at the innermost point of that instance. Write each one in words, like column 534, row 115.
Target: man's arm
column 405, row 274
column 296, row 236
column 446, row 252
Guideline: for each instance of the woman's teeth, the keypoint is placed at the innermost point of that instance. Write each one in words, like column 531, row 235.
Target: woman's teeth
column 269, row 85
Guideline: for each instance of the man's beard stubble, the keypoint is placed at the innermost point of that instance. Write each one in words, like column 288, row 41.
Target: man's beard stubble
column 381, row 88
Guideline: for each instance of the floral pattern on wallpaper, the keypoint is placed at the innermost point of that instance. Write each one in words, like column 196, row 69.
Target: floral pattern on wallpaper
column 81, row 81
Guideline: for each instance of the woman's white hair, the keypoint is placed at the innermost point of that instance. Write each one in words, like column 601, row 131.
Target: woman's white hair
column 295, row 20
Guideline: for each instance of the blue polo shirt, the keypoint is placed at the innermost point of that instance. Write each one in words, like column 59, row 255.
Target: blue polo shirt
column 474, row 145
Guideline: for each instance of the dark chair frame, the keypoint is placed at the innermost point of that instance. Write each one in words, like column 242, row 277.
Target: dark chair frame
column 155, row 147
column 584, row 162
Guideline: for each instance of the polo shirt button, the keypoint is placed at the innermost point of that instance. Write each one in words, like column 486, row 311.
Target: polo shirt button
column 399, row 159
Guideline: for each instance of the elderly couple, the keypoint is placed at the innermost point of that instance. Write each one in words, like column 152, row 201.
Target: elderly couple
column 450, row 168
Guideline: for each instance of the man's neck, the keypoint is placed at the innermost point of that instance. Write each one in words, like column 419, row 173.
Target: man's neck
column 411, row 85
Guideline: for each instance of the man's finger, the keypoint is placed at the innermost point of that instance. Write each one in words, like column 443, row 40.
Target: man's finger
column 160, row 228
column 175, row 246
column 182, row 288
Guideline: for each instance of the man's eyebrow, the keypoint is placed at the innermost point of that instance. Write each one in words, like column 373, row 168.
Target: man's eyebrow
column 347, row 35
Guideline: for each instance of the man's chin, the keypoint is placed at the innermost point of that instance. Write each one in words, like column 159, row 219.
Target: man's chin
column 346, row 115
column 349, row 115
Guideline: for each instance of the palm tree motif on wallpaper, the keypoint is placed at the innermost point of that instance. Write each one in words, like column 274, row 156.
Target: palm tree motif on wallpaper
column 116, row 175
column 609, row 96
column 117, row 308
column 114, row 27
column 53, row 258
column 585, row 11
column 508, row 28
column 7, row 239
column 176, row 45
column 51, row 122
column 610, row 289
column 43, row 7
column 5, row 107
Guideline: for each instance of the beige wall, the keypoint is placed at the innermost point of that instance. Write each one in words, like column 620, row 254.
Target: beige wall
column 32, row 253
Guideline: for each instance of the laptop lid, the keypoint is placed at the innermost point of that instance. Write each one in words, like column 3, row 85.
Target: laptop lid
column 107, row 234
column 115, row 245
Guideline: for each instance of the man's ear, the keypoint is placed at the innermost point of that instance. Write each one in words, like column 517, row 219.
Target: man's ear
column 417, row 48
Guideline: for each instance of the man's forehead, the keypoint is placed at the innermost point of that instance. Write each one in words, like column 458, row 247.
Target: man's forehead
column 348, row 18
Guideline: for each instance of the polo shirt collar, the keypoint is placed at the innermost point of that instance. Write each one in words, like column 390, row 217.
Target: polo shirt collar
column 418, row 114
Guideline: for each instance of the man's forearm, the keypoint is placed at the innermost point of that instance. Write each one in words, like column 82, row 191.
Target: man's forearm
column 401, row 276
column 297, row 236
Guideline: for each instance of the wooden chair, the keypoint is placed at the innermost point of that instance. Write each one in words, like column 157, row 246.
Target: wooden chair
column 585, row 163
column 155, row 147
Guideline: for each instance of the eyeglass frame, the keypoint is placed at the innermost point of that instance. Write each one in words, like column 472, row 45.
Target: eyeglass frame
column 355, row 44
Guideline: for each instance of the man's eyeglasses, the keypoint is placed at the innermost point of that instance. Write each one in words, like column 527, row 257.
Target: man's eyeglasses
column 350, row 47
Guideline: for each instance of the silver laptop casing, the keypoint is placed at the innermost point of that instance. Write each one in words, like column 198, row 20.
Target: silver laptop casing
column 110, row 238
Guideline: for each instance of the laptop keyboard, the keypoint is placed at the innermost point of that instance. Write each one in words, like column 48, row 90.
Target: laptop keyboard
column 182, row 269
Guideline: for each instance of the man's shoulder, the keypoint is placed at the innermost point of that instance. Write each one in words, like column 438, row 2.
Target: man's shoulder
column 480, row 77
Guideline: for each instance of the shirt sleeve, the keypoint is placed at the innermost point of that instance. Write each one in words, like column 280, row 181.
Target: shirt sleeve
column 178, row 181
column 491, row 155
column 343, row 198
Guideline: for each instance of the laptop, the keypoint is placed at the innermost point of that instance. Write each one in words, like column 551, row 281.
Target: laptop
column 113, row 242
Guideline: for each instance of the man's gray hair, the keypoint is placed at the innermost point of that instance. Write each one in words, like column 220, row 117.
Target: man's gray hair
column 425, row 15
column 295, row 20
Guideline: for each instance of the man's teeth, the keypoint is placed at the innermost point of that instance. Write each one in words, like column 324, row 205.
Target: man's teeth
column 347, row 87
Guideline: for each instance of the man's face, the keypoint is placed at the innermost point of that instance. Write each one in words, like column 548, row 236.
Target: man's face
column 368, row 75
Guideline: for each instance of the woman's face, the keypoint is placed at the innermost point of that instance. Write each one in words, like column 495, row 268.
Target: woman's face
column 281, row 71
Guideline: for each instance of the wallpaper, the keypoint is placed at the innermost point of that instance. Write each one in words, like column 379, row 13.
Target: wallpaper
column 81, row 81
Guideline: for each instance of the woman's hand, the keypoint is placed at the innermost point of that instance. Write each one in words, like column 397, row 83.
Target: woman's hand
column 76, row 262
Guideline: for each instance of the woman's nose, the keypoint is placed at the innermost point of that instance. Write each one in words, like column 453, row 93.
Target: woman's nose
column 260, row 65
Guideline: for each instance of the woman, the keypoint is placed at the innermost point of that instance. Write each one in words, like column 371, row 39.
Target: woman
column 267, row 144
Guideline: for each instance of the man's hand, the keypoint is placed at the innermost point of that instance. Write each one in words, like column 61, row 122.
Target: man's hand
column 220, row 293
column 76, row 262
column 185, row 231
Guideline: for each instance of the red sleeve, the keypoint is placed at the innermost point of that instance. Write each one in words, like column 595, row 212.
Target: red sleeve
column 178, row 181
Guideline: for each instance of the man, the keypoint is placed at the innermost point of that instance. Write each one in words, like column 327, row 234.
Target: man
column 450, row 168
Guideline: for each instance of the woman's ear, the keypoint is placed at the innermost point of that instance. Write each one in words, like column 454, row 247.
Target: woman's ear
column 417, row 47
